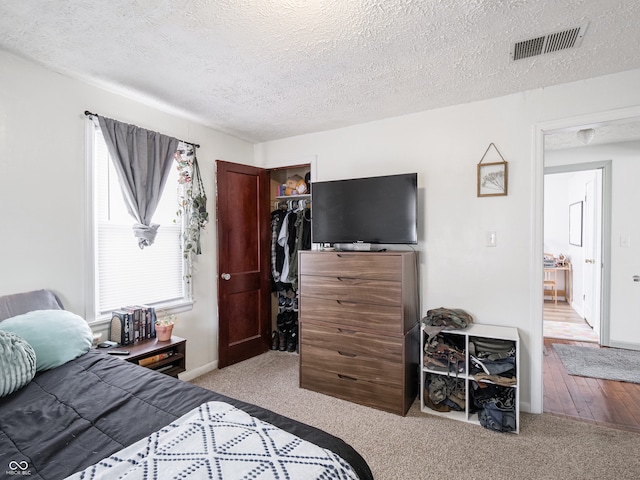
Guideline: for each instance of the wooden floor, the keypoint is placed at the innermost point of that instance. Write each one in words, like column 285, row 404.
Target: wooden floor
column 602, row 402
column 561, row 312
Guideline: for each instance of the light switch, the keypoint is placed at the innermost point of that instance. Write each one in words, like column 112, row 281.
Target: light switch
column 491, row 239
column 625, row 241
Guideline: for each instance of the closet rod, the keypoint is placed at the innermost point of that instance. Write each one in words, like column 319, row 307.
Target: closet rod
column 89, row 114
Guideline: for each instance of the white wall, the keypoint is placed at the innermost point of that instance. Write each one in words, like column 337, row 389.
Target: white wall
column 556, row 216
column 624, row 322
column 497, row 285
column 556, row 219
column 42, row 182
column 42, row 189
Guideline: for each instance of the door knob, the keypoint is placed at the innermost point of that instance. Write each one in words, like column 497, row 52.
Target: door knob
column 226, row 276
column 589, row 260
column 636, row 278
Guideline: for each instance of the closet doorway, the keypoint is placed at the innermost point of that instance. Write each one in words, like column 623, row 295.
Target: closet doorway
column 245, row 197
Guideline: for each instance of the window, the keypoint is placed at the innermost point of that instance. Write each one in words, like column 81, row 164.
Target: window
column 124, row 274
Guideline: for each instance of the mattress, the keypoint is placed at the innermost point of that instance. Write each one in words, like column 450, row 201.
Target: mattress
column 74, row 416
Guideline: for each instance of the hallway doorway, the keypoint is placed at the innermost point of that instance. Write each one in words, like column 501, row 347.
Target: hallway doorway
column 575, row 243
column 603, row 402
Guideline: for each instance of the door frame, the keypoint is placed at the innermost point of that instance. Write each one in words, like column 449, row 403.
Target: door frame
column 605, row 236
column 311, row 161
column 536, row 251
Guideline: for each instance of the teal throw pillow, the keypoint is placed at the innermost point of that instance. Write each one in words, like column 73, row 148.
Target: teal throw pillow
column 17, row 363
column 56, row 336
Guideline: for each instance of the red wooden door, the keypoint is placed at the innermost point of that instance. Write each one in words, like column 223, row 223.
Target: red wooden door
column 244, row 282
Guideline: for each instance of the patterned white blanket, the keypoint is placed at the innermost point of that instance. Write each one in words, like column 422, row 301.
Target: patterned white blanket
column 219, row 441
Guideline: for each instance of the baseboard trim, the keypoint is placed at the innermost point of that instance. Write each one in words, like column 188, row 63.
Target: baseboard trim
column 196, row 372
column 628, row 346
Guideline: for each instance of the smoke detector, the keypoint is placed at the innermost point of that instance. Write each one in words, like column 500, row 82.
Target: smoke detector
column 549, row 43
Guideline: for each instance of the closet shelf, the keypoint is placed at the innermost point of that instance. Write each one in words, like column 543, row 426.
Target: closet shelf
column 304, row 196
column 300, row 201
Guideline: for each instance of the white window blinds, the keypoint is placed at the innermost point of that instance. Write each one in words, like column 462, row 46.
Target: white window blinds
column 126, row 274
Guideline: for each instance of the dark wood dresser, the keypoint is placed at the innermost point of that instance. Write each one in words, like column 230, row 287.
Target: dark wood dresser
column 358, row 317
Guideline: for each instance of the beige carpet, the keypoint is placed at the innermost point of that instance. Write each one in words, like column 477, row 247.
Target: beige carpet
column 421, row 446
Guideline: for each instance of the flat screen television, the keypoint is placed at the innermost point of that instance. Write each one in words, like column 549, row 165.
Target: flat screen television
column 382, row 210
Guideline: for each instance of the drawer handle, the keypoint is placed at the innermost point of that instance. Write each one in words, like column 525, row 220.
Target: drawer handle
column 343, row 330
column 342, row 302
column 351, row 280
column 347, row 377
column 345, row 354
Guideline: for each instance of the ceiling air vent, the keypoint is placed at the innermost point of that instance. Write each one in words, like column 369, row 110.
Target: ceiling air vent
column 549, row 43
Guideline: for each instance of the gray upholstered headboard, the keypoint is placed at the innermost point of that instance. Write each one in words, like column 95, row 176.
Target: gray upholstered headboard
column 19, row 303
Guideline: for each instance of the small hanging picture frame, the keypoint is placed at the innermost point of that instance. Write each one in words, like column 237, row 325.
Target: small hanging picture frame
column 492, row 177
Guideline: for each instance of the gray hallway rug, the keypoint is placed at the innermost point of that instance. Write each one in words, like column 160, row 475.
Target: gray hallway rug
column 606, row 363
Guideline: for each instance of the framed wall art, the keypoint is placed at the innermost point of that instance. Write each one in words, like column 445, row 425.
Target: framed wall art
column 492, row 177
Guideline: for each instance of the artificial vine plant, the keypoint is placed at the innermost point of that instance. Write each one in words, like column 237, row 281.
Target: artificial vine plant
column 193, row 202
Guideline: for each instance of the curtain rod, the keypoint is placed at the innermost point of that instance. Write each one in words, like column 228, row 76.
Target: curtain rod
column 89, row 114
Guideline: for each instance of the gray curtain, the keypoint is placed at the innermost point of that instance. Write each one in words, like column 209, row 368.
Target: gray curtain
column 142, row 160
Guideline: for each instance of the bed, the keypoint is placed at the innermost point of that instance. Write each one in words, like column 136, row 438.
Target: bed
column 96, row 416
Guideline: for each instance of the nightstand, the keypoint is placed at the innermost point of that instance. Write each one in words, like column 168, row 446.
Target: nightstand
column 167, row 357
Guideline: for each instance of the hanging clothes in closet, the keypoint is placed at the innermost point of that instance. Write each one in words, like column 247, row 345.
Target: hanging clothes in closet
column 290, row 232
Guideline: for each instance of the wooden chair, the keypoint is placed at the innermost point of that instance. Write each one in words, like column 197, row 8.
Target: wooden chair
column 550, row 285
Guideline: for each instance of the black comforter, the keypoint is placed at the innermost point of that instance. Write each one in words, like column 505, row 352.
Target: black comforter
column 75, row 415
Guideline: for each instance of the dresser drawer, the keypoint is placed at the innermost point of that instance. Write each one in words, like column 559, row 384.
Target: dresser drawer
column 351, row 290
column 346, row 364
column 358, row 315
column 353, row 342
column 383, row 318
column 376, row 395
column 353, row 265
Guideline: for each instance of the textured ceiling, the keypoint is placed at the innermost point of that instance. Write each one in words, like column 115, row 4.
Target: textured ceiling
column 269, row 69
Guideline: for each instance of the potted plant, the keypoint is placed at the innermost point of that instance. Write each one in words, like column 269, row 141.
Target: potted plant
column 164, row 328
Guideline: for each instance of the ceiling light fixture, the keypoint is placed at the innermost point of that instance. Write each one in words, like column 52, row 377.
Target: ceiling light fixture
column 586, row 135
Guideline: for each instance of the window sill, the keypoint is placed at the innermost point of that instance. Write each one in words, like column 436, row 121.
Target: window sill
column 162, row 309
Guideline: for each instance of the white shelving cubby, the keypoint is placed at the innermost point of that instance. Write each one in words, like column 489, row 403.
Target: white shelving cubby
column 463, row 371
